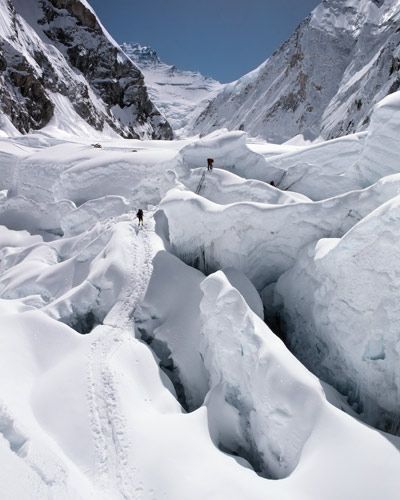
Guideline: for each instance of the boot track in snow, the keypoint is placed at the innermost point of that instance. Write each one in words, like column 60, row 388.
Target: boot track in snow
column 107, row 423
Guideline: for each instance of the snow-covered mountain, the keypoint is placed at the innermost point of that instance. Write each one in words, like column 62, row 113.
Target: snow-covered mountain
column 241, row 344
column 180, row 95
column 60, row 67
column 324, row 80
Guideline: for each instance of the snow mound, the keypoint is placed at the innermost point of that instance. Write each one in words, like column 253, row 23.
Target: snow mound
column 273, row 400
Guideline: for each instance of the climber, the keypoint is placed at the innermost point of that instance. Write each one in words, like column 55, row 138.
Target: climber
column 210, row 162
column 272, row 183
column 139, row 215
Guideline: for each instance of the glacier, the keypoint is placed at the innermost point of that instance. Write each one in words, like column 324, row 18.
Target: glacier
column 143, row 355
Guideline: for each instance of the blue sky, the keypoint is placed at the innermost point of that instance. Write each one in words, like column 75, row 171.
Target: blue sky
column 221, row 38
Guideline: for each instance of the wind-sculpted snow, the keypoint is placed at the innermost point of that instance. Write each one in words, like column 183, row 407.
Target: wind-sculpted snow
column 89, row 213
column 340, row 310
column 70, row 278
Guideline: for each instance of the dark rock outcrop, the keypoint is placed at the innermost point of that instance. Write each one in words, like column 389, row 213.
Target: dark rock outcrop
column 65, row 51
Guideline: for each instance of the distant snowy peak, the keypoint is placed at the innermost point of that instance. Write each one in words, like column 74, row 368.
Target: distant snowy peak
column 179, row 94
column 354, row 15
column 142, row 55
column 324, row 81
column 62, row 68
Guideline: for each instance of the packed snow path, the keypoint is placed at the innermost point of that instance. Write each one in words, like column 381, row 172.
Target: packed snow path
column 108, row 425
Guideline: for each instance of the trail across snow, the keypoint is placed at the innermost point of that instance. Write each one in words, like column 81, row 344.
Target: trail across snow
column 108, row 425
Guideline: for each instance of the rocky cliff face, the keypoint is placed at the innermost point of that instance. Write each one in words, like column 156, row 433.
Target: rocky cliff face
column 57, row 60
column 179, row 94
column 324, row 80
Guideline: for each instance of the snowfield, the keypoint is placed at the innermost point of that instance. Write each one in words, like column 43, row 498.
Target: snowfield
column 242, row 345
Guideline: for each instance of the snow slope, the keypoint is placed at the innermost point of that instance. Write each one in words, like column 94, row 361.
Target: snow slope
column 323, row 81
column 126, row 373
column 178, row 94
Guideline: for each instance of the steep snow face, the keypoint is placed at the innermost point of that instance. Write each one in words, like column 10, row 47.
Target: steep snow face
column 178, row 94
column 381, row 142
column 62, row 68
column 259, row 377
column 373, row 69
column 340, row 309
column 324, row 81
column 242, row 233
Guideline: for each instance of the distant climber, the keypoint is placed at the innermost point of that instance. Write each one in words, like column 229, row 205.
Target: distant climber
column 210, row 162
column 272, row 183
column 139, row 215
